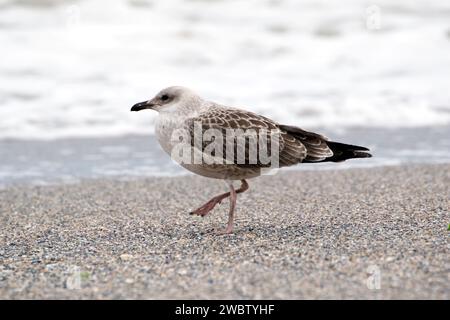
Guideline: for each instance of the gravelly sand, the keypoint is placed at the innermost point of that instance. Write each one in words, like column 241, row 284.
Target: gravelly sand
column 306, row 235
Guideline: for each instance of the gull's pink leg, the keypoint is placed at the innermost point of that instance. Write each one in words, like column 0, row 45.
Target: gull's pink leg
column 207, row 207
column 233, row 198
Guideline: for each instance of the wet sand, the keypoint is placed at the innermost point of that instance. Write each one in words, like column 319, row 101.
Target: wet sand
column 344, row 234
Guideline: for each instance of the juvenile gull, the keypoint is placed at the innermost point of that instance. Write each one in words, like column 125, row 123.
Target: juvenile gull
column 181, row 110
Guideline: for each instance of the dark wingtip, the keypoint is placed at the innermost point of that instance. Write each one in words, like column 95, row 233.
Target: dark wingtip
column 344, row 151
column 360, row 154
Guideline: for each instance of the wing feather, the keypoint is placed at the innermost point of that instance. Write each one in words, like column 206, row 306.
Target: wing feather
column 316, row 144
column 291, row 150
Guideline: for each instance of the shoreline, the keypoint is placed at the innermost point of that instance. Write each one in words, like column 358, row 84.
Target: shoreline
column 299, row 235
column 183, row 173
column 68, row 160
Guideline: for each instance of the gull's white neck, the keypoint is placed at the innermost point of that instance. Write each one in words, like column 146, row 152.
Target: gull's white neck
column 172, row 118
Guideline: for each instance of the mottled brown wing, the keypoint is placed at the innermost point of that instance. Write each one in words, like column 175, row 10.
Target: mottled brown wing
column 316, row 145
column 293, row 151
column 224, row 120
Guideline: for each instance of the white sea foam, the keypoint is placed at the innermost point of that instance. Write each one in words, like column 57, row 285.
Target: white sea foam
column 75, row 68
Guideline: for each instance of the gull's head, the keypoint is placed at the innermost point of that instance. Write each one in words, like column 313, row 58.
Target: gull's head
column 171, row 99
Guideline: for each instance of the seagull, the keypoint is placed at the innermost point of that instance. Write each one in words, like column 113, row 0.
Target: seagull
column 185, row 115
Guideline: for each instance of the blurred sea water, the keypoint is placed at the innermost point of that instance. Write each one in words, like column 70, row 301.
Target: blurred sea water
column 374, row 73
column 74, row 68
column 70, row 160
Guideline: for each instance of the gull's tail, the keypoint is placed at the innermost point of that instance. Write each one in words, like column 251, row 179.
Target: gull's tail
column 319, row 149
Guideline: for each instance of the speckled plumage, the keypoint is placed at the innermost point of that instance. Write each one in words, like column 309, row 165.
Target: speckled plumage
column 295, row 145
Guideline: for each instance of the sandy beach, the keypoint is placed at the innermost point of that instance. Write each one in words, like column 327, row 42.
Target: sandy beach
column 344, row 234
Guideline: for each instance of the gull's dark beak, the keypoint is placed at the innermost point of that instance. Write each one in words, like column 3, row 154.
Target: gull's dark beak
column 142, row 105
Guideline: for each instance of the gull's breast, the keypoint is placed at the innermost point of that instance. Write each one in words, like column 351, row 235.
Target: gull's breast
column 167, row 130
column 164, row 130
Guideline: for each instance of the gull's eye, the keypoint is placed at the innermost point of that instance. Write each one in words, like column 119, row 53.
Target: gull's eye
column 164, row 97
